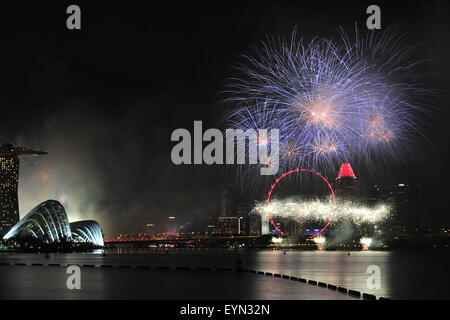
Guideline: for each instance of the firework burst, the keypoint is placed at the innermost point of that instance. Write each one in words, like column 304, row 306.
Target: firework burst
column 333, row 101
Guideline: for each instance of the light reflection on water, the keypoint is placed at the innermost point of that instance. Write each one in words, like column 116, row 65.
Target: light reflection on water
column 404, row 275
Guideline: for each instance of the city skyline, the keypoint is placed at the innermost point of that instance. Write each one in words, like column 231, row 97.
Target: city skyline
column 219, row 159
column 235, row 217
column 108, row 123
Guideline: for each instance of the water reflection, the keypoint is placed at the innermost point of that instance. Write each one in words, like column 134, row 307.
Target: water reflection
column 404, row 275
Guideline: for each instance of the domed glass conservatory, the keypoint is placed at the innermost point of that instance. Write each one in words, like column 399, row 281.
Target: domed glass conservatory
column 48, row 222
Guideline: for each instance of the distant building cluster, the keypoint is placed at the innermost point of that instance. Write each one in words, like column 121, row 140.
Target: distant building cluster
column 235, row 217
column 405, row 199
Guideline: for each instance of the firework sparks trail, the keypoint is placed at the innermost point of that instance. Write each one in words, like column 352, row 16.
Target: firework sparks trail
column 302, row 211
column 333, row 101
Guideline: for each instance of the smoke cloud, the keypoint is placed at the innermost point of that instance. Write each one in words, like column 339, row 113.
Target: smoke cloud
column 115, row 170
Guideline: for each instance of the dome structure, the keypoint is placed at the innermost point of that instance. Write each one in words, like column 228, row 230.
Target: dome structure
column 87, row 231
column 47, row 222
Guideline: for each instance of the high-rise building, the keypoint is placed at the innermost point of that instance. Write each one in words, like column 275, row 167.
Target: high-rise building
column 254, row 225
column 406, row 199
column 227, row 222
column 172, row 224
column 265, row 221
column 227, row 226
column 9, row 182
column 227, row 201
column 346, row 181
column 243, row 211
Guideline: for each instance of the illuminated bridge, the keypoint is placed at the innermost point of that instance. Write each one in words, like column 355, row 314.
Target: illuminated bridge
column 187, row 242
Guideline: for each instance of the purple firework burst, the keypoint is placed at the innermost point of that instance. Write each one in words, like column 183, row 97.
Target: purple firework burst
column 354, row 99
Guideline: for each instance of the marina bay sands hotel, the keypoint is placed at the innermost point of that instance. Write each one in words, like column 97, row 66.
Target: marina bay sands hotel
column 9, row 182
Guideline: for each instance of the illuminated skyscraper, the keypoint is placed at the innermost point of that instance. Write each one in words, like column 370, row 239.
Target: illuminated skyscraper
column 227, row 223
column 9, row 181
column 346, row 181
column 226, row 201
column 265, row 224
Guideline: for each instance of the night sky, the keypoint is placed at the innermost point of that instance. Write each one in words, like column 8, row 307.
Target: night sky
column 104, row 100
